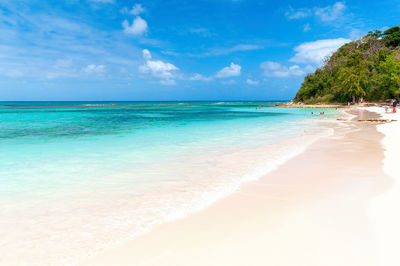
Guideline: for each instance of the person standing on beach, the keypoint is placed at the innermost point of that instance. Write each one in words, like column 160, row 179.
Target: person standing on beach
column 394, row 104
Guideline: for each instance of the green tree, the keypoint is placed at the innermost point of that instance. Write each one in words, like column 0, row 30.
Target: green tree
column 392, row 36
column 389, row 77
column 350, row 83
column 375, row 34
column 368, row 67
column 353, row 78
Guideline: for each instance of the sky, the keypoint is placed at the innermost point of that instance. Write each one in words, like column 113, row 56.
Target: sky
column 163, row 50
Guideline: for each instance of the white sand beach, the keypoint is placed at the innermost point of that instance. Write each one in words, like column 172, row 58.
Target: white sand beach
column 334, row 204
column 384, row 210
column 199, row 133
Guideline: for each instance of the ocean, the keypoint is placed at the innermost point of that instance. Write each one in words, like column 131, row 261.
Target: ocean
column 79, row 177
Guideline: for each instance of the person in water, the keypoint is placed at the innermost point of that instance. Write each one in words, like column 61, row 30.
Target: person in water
column 394, row 104
column 321, row 113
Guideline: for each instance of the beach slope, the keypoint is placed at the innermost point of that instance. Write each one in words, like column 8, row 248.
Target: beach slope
column 310, row 211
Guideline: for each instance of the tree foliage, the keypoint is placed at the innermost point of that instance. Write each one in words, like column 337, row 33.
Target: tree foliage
column 392, row 36
column 368, row 67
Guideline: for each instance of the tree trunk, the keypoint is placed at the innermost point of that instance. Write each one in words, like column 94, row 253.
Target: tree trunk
column 354, row 98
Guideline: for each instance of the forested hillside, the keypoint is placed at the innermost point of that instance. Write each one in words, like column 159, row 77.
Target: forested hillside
column 368, row 68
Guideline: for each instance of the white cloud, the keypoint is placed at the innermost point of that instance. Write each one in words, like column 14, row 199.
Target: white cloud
column 252, row 82
column 327, row 14
column 274, row 69
column 92, row 69
column 146, row 54
column 201, row 31
column 44, row 58
column 159, row 69
column 330, row 13
column 167, row 73
column 137, row 9
column 315, row 52
column 138, row 27
column 164, row 71
column 228, row 50
column 229, row 71
column 306, row 27
column 298, row 14
column 236, row 48
column 200, row 77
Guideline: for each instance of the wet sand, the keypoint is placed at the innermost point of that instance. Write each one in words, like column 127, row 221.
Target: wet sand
column 310, row 211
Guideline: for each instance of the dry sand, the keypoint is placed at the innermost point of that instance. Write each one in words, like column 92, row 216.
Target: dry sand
column 384, row 211
column 310, row 211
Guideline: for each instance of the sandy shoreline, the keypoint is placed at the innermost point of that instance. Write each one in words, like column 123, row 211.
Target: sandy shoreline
column 384, row 211
column 310, row 211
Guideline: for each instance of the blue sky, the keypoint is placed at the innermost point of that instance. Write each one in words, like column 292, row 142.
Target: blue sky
column 173, row 50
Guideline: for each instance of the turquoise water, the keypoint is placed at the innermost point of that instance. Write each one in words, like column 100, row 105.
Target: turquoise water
column 132, row 164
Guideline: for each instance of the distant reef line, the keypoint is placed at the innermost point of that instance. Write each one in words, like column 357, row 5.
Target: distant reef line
column 294, row 104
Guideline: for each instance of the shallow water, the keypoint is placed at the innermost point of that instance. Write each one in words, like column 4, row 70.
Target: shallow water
column 78, row 177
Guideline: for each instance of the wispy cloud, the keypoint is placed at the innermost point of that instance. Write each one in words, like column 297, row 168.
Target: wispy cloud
column 41, row 46
column 330, row 13
column 316, row 51
column 275, row 69
column 95, row 69
column 309, row 55
column 252, row 82
column 236, row 48
column 227, row 50
column 292, row 13
column 137, row 9
column 204, row 32
column 326, row 14
column 200, row 77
